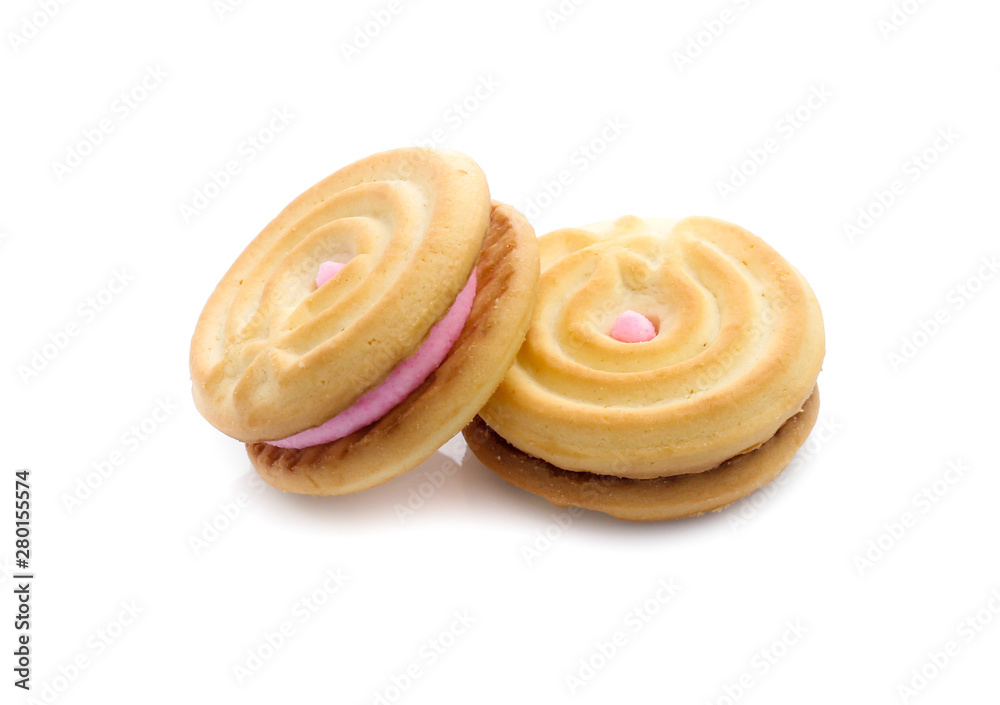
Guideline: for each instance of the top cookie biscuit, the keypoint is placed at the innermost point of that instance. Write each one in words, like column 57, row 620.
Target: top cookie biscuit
column 738, row 347
column 273, row 355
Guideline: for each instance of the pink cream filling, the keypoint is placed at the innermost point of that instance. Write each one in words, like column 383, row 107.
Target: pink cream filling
column 407, row 376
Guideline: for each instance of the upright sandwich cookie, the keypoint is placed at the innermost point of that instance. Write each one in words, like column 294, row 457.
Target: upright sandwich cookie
column 367, row 323
column 670, row 369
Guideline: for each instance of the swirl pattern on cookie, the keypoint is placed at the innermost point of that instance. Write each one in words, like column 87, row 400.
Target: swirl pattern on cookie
column 738, row 346
column 273, row 355
column 506, row 285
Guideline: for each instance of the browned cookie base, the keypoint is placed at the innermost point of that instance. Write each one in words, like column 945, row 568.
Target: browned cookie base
column 646, row 500
column 507, row 281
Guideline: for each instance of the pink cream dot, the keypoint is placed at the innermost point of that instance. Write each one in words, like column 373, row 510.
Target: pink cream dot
column 632, row 327
column 326, row 272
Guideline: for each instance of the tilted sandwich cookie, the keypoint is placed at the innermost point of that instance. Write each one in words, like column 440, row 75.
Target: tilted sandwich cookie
column 670, row 369
column 367, row 323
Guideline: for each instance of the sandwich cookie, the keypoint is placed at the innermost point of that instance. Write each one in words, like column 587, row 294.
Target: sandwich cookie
column 367, row 323
column 669, row 370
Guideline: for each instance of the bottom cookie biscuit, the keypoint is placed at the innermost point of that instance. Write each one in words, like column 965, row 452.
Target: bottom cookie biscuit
column 646, row 500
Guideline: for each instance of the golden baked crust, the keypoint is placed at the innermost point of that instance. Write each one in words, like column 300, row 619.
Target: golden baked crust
column 739, row 348
column 272, row 355
column 507, row 281
column 646, row 500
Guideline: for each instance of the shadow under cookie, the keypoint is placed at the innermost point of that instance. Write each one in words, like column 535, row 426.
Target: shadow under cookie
column 646, row 500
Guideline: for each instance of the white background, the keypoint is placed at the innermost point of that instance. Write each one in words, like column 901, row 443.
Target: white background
column 887, row 432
